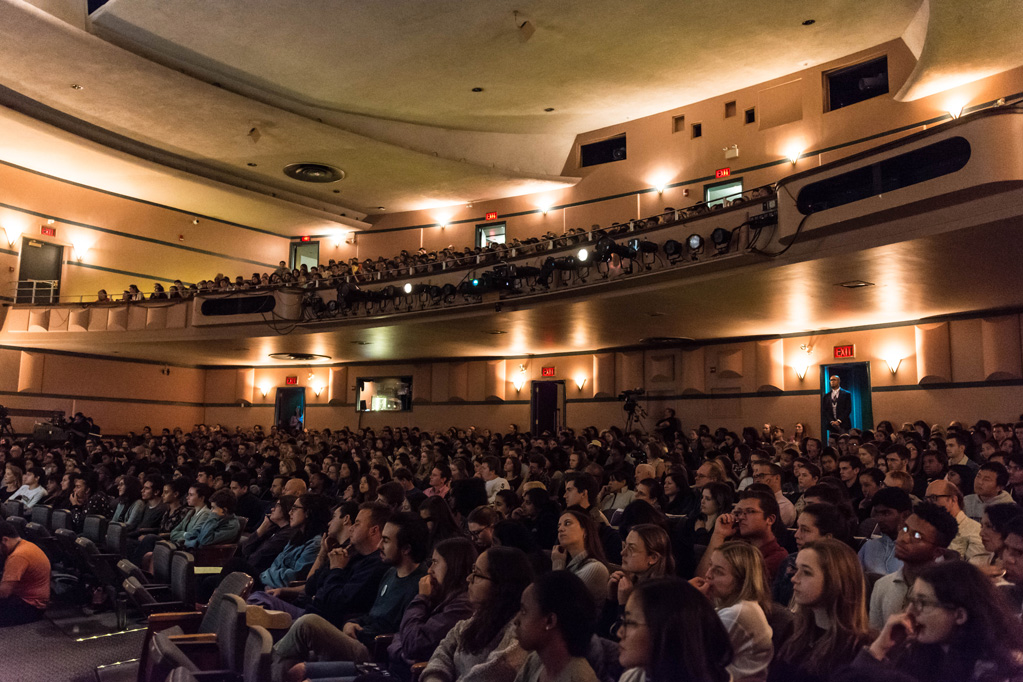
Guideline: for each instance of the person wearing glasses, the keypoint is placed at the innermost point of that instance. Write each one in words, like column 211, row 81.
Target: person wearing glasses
column 308, row 519
column 671, row 632
column 484, row 648
column 921, row 541
column 955, row 628
column 967, row 541
column 753, row 519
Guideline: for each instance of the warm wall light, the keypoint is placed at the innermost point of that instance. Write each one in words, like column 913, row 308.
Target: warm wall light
column 660, row 187
column 264, row 389
column 80, row 248
column 893, row 364
column 545, row 209
column 318, row 389
column 801, row 368
column 955, row 108
column 580, row 381
column 518, row 382
column 12, row 232
column 794, row 153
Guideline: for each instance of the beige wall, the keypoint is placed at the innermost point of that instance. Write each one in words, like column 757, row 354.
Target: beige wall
column 656, row 154
column 963, row 369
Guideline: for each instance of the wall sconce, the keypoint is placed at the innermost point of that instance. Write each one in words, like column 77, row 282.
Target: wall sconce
column 660, row 187
column 264, row 389
column 519, row 379
column 794, row 153
column 580, row 381
column 545, row 209
column 955, row 108
column 12, row 233
column 893, row 364
column 318, row 389
column 801, row 369
column 80, row 249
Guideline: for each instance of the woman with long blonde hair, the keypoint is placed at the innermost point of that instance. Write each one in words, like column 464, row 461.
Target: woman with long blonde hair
column 736, row 583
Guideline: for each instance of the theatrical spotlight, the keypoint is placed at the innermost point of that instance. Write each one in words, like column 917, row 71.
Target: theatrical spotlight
column 695, row 245
column 607, row 247
column 673, row 250
column 722, row 239
column 582, row 255
column 642, row 246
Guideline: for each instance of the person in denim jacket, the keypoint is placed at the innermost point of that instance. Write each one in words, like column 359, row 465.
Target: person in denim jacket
column 308, row 519
column 221, row 526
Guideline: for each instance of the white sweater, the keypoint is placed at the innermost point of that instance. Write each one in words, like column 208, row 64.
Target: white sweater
column 751, row 640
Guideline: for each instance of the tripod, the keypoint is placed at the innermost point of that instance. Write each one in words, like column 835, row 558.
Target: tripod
column 634, row 414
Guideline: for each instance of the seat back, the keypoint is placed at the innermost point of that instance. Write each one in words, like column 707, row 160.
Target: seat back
column 137, row 592
column 231, row 630
column 242, row 524
column 18, row 522
column 116, row 540
column 162, row 658
column 36, row 532
column 65, row 538
column 236, row 583
column 41, row 514
column 182, row 578
column 162, row 553
column 61, row 518
column 13, row 508
column 130, row 570
column 257, row 655
column 95, row 528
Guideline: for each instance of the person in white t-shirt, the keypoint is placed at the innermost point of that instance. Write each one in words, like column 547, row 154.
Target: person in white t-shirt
column 33, row 488
column 488, row 472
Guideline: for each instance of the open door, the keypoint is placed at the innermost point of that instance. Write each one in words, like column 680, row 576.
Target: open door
column 39, row 271
column 547, row 406
column 289, row 409
column 855, row 378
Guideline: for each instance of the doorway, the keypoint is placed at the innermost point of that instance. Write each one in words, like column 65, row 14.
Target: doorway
column 547, row 406
column 289, row 403
column 305, row 253
column 855, row 378
column 39, row 271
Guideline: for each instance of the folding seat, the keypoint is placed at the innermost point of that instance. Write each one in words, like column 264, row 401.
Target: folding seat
column 95, row 528
column 41, row 514
column 18, row 522
column 13, row 508
column 60, row 519
column 116, row 539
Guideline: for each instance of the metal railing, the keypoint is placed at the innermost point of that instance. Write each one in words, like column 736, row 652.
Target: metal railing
column 36, row 291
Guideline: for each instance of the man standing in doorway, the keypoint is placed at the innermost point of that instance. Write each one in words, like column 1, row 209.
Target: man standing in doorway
column 837, row 407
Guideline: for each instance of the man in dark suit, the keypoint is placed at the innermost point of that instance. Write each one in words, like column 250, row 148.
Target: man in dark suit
column 837, row 407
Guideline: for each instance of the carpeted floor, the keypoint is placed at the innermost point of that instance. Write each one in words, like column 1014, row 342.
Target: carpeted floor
column 42, row 652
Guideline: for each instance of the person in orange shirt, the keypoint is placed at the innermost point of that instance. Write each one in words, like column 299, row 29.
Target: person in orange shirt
column 25, row 586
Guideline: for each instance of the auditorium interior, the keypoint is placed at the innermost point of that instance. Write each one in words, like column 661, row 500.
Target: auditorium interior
column 528, row 216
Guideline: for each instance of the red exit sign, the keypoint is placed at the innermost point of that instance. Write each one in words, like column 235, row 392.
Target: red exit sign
column 842, row 352
column 48, row 231
column 290, row 381
column 491, row 216
column 547, row 372
column 722, row 172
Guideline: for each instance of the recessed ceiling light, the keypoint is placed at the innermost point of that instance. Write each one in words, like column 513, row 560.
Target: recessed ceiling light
column 381, row 208
column 299, row 357
column 76, row 86
column 855, row 284
column 655, row 314
column 251, row 165
column 666, row 340
column 477, row 89
column 314, row 172
column 361, row 343
column 549, row 109
column 496, row 331
column 809, row 22
column 337, row 191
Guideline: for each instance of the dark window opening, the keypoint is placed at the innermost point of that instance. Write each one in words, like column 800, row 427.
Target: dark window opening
column 856, row 83
column 912, row 168
column 697, row 130
column 751, row 115
column 605, row 151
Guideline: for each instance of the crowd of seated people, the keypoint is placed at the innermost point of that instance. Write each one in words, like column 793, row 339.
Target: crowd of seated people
column 581, row 555
column 420, row 262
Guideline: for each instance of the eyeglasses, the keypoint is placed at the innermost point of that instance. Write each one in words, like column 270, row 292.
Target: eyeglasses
column 915, row 535
column 921, row 603
column 476, row 575
column 476, row 533
column 935, row 498
column 746, row 512
column 295, row 507
column 623, row 624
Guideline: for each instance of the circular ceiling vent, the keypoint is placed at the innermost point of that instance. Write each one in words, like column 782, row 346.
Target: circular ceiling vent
column 314, row 172
column 299, row 357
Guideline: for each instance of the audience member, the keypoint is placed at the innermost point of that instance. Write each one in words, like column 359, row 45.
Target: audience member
column 967, row 542
column 25, row 585
column 988, row 488
column 579, row 551
column 753, row 520
column 890, row 509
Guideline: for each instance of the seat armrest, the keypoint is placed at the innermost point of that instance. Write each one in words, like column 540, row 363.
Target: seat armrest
column 160, row 607
column 188, row 621
column 266, row 618
column 380, row 644
column 417, row 670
